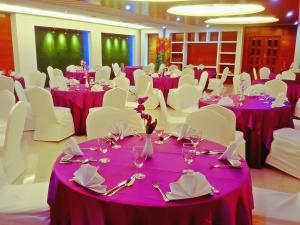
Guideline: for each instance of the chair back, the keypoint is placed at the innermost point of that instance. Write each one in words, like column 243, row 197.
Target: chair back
column 245, row 79
column 142, row 82
column 50, row 72
column 203, row 80
column 41, row 80
column 188, row 71
column 173, row 67
column 276, row 87
column 7, row 100
column 163, row 106
column 176, row 73
column 211, row 124
column 224, row 75
column 116, row 69
column 122, row 82
column 191, row 66
column 288, row 75
column 264, row 73
column 103, row 73
column 188, row 96
column 6, row 83
column 186, row 79
column 147, row 69
column 115, row 98
column 41, row 103
column 254, row 73
column 151, row 67
column 14, row 132
column 161, row 68
column 57, row 73
column 236, row 80
column 71, row 68
column 20, row 91
column 108, row 117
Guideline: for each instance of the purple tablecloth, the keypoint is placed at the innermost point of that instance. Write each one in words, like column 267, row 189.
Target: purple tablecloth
column 293, row 91
column 79, row 101
column 20, row 79
column 212, row 73
column 141, row 204
column 257, row 120
column 128, row 70
column 79, row 75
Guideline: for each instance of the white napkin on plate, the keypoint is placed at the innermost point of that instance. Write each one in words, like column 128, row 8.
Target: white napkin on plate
column 226, row 101
column 231, row 155
column 88, row 176
column 183, row 131
column 189, row 185
column 72, row 150
column 97, row 87
column 123, row 129
column 279, row 101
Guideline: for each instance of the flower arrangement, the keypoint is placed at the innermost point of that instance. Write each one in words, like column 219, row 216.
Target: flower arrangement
column 149, row 123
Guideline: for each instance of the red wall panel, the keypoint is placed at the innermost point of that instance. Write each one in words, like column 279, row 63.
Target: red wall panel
column 202, row 53
column 6, row 52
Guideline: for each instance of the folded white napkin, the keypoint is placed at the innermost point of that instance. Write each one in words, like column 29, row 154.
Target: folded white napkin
column 73, row 81
column 231, row 155
column 88, row 176
column 72, row 150
column 183, row 131
column 189, row 185
column 97, row 87
column 279, row 101
column 226, row 101
column 62, row 85
column 256, row 90
column 154, row 75
column 123, row 129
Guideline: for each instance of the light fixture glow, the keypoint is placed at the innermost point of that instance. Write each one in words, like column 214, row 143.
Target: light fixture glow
column 215, row 9
column 178, row 19
column 296, row 23
column 41, row 12
column 289, row 14
column 207, row 26
column 127, row 7
column 159, row 0
column 242, row 20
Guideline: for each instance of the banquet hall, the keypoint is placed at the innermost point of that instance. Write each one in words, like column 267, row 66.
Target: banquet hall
column 150, row 112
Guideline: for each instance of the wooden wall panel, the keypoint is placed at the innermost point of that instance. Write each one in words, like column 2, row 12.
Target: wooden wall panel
column 287, row 36
column 152, row 54
column 202, row 53
column 6, row 46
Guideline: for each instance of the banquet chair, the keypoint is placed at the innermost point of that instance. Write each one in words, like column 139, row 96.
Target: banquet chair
column 6, row 83
column 257, row 90
column 7, row 100
column 32, row 78
column 254, row 73
column 276, row 87
column 41, row 80
column 187, row 79
column 147, row 69
column 277, row 208
column 12, row 163
column 233, row 135
column 116, row 69
column 245, row 80
column 211, row 124
column 184, row 99
column 141, row 81
column 171, row 122
column 152, row 67
column 115, row 98
column 288, row 75
column 122, row 82
column 24, row 204
column 57, row 73
column 161, row 68
column 172, row 67
column 52, row 80
column 201, row 67
column 52, row 123
column 108, row 117
column 217, row 83
column 103, row 74
column 191, row 66
column 30, row 121
column 264, row 73
column 188, row 71
column 176, row 73
column 285, row 151
column 71, row 68
column 202, row 81
column 236, row 81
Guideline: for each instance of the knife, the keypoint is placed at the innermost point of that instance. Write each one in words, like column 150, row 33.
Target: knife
column 116, row 187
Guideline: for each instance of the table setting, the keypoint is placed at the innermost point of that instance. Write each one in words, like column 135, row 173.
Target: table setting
column 81, row 76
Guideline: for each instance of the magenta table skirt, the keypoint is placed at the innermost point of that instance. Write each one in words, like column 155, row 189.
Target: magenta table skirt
column 20, row 79
column 128, row 70
column 79, row 101
column 212, row 73
column 165, row 83
column 257, row 120
column 142, row 205
column 80, row 75
column 293, row 91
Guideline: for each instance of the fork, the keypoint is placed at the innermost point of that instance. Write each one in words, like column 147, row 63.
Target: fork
column 156, row 186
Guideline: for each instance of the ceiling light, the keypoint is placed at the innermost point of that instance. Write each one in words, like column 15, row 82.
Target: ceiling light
column 159, row 0
column 296, row 23
column 164, row 27
column 48, row 13
column 242, row 20
column 207, row 26
column 127, row 7
column 178, row 19
column 289, row 14
column 215, row 9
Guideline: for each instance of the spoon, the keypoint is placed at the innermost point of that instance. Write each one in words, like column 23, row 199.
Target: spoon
column 157, row 187
column 129, row 182
column 224, row 166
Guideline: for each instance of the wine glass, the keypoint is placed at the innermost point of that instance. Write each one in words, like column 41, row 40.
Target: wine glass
column 189, row 155
column 102, row 145
column 116, row 136
column 159, row 132
column 139, row 158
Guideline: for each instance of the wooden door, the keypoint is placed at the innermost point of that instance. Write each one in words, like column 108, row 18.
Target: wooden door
column 262, row 51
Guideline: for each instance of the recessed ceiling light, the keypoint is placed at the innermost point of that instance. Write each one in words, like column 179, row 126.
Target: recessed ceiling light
column 128, row 7
column 207, row 26
column 242, row 20
column 289, row 14
column 215, row 9
column 178, row 19
column 164, row 27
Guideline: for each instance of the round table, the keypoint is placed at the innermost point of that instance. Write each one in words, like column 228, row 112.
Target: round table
column 257, row 120
column 79, row 100
column 140, row 204
column 79, row 75
column 165, row 83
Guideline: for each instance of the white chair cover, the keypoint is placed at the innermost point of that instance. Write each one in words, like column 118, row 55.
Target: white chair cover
column 288, row 75
column 24, row 204
column 52, row 124
column 236, row 84
column 176, row 73
column 52, row 80
column 161, row 69
column 108, row 117
column 71, row 68
column 103, row 74
column 188, row 71
column 6, row 83
column 41, row 80
column 116, row 69
column 201, row 67
column 57, row 73
column 173, row 67
column 245, row 80
column 186, row 79
column 122, row 82
column 115, row 98
column 7, row 100
column 203, row 81
column 215, row 83
column 276, row 87
column 12, row 163
column 264, row 73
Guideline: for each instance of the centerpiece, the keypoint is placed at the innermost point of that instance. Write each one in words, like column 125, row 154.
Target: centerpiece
column 150, row 125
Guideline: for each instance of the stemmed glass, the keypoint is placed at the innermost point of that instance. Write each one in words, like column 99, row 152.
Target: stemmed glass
column 159, row 133
column 139, row 158
column 195, row 139
column 116, row 136
column 103, row 147
column 189, row 155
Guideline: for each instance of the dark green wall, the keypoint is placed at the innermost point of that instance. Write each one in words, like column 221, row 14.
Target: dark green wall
column 115, row 49
column 58, row 48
